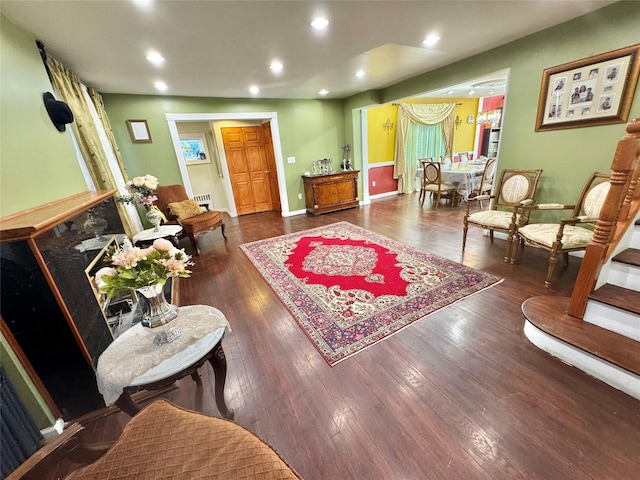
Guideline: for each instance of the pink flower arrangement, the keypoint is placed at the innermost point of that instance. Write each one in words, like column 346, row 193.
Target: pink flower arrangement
column 142, row 190
column 135, row 267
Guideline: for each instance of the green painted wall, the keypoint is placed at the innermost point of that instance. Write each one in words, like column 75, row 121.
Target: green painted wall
column 20, row 380
column 38, row 162
column 567, row 156
column 309, row 130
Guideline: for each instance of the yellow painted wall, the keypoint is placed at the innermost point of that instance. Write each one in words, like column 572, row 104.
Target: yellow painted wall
column 382, row 145
column 380, row 141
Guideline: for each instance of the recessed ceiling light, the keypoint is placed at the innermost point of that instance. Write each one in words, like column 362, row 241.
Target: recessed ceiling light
column 360, row 73
column 323, row 92
column 160, row 85
column 143, row 3
column 276, row 67
column 155, row 58
column 254, row 90
column 450, row 92
column 320, row 23
column 471, row 92
column 431, row 40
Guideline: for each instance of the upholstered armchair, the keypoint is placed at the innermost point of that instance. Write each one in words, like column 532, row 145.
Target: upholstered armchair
column 569, row 234
column 162, row 441
column 174, row 202
column 515, row 188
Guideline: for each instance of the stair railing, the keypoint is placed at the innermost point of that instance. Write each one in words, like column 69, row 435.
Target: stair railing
column 616, row 216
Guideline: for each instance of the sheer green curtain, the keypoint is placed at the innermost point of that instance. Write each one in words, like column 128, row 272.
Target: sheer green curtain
column 438, row 115
column 423, row 141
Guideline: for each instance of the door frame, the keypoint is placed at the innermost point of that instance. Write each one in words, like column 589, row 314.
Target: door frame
column 272, row 117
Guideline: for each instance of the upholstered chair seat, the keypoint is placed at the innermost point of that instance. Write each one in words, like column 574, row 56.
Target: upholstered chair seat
column 162, row 442
column 496, row 219
column 433, row 184
column 514, row 189
column 203, row 221
column 195, row 219
column 569, row 234
column 545, row 234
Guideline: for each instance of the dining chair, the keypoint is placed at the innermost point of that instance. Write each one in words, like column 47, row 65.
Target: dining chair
column 432, row 183
column 179, row 208
column 485, row 183
column 445, row 159
column 569, row 234
column 516, row 187
column 464, row 157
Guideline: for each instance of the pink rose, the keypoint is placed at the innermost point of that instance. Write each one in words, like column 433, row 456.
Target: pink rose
column 108, row 271
column 163, row 244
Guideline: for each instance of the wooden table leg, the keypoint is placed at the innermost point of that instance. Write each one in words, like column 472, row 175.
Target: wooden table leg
column 126, row 404
column 218, row 362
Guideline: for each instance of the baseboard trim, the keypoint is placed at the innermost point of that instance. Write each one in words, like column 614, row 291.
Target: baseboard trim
column 385, row 194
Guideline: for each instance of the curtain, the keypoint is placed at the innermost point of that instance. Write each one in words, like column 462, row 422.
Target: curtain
column 423, row 114
column 130, row 218
column 85, row 130
column 19, row 436
column 423, row 141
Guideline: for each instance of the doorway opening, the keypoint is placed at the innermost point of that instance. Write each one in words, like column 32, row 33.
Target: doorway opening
column 224, row 197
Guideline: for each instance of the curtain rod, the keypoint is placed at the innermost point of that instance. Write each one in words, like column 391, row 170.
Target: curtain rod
column 397, row 104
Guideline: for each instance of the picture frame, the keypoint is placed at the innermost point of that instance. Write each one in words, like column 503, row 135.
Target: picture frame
column 597, row 90
column 194, row 148
column 139, row 131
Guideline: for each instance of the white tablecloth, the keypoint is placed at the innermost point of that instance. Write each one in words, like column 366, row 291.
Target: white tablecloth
column 465, row 176
column 134, row 359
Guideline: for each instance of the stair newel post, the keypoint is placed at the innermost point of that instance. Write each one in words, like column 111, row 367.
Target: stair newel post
column 624, row 169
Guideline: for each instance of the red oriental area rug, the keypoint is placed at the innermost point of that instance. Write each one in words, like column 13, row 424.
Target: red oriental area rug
column 348, row 288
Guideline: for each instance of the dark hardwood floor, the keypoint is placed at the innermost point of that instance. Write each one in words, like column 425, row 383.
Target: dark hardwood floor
column 461, row 394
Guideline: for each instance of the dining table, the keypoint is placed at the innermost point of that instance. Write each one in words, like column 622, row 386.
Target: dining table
column 464, row 175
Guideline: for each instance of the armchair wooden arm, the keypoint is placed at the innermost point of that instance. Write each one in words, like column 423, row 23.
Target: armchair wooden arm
column 68, row 445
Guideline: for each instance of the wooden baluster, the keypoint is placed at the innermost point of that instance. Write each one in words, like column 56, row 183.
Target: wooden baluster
column 623, row 165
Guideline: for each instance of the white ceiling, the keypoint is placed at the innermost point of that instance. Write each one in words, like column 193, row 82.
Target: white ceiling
column 219, row 48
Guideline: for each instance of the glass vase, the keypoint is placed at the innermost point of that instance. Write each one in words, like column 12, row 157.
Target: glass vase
column 159, row 311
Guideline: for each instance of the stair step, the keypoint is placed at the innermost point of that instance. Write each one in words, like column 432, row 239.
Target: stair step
column 630, row 256
column 620, row 297
column 548, row 313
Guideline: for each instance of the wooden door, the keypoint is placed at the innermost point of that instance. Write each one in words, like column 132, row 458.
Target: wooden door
column 247, row 162
column 271, row 165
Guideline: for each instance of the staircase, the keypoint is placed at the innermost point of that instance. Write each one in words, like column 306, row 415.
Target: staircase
column 615, row 305
column 597, row 330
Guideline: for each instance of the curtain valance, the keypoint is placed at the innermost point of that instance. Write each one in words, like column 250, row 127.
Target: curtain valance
column 426, row 114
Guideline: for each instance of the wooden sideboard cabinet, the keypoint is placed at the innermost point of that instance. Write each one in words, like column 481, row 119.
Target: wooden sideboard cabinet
column 331, row 192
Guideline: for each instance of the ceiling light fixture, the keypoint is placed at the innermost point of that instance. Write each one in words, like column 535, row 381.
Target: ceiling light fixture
column 450, row 92
column 160, row 85
column 276, row 67
column 490, row 116
column 155, row 58
column 471, row 92
column 320, row 23
column 143, row 3
column 323, row 92
column 360, row 74
column 431, row 40
column 253, row 90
